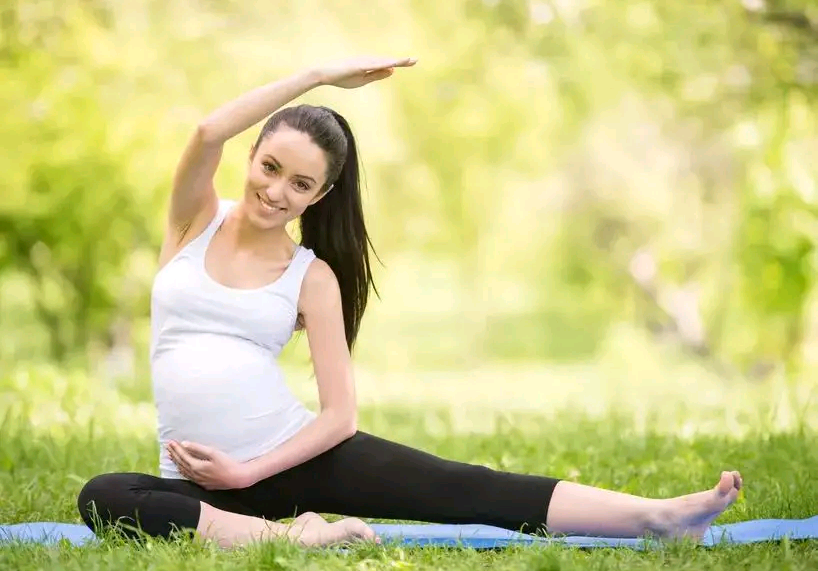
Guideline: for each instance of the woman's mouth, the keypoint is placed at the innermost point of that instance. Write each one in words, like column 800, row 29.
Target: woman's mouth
column 268, row 207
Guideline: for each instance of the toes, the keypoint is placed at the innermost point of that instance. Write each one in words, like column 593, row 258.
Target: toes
column 356, row 529
column 732, row 497
column 363, row 531
column 725, row 484
column 737, row 481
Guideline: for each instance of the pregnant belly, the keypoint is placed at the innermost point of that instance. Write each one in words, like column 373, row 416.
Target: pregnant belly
column 226, row 393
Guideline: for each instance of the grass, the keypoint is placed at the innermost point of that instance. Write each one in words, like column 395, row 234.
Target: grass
column 58, row 430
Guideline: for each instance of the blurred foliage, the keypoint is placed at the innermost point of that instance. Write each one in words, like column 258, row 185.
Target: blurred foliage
column 538, row 152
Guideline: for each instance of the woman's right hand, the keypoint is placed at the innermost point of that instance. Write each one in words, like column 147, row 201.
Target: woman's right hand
column 352, row 73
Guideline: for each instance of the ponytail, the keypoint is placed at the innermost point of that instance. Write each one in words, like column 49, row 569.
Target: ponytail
column 334, row 229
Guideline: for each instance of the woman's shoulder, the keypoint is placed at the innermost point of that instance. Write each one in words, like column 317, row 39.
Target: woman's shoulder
column 320, row 285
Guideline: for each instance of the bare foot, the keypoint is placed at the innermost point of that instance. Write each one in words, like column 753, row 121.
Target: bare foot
column 691, row 515
column 311, row 530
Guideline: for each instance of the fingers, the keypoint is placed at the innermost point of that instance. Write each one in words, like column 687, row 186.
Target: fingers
column 187, row 473
column 178, row 455
column 191, row 467
column 405, row 62
column 183, row 460
column 188, row 470
column 197, row 450
column 377, row 64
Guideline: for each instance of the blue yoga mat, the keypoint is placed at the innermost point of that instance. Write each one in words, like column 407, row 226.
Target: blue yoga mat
column 472, row 536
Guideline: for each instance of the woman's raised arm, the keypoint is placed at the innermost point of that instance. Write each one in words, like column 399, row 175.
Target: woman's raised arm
column 194, row 198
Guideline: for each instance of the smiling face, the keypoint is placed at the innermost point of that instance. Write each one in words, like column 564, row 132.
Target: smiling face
column 286, row 174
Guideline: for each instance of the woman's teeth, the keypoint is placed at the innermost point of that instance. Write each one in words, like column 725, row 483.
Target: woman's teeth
column 267, row 206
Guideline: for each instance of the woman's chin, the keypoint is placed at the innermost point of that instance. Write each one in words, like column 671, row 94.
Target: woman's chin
column 266, row 221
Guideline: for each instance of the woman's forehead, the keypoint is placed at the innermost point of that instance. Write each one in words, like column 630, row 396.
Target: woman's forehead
column 294, row 151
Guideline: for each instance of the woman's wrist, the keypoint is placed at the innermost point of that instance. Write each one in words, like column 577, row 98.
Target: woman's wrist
column 251, row 475
column 314, row 77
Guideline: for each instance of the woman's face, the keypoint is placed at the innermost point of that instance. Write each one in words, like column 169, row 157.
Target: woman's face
column 286, row 174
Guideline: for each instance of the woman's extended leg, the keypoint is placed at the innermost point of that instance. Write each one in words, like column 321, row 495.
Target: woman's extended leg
column 160, row 506
column 367, row 476
column 576, row 509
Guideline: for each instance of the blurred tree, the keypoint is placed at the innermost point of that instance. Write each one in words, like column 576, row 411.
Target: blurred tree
column 714, row 71
column 538, row 149
column 67, row 216
column 82, row 194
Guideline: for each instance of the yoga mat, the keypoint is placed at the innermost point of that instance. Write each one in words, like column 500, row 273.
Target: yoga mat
column 472, row 536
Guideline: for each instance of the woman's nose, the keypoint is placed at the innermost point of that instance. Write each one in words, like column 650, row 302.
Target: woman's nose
column 275, row 190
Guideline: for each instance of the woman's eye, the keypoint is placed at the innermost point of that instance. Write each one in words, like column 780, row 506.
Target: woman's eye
column 269, row 167
column 303, row 186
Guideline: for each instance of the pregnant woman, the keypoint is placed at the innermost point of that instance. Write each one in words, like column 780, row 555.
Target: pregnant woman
column 238, row 450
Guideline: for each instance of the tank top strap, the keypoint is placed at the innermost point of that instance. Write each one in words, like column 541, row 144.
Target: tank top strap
column 224, row 207
column 200, row 243
column 295, row 272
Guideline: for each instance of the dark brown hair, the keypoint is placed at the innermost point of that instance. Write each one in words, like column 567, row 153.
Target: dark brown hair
column 334, row 226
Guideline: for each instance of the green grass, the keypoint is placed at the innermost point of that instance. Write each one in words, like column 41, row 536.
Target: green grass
column 57, row 431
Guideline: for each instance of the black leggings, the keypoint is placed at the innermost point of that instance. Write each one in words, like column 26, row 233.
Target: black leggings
column 364, row 476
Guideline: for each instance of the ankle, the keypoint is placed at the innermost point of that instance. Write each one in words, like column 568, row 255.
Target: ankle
column 659, row 517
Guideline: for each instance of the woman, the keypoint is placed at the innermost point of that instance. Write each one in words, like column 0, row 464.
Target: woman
column 238, row 451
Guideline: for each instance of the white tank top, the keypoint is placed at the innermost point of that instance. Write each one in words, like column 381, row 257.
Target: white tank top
column 214, row 353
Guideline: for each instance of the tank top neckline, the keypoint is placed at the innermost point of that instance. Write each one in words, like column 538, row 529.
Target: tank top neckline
column 217, row 223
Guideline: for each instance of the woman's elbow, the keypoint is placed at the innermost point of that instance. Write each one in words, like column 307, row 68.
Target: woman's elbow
column 351, row 427
column 208, row 133
column 344, row 422
column 349, row 424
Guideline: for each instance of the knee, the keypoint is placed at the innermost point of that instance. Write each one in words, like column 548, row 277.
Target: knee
column 96, row 497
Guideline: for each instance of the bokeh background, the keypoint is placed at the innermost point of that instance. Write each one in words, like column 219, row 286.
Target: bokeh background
column 605, row 205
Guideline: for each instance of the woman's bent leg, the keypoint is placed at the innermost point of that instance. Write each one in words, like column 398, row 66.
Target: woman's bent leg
column 158, row 507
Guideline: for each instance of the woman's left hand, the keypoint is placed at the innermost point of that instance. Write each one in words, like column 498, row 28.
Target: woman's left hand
column 208, row 467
